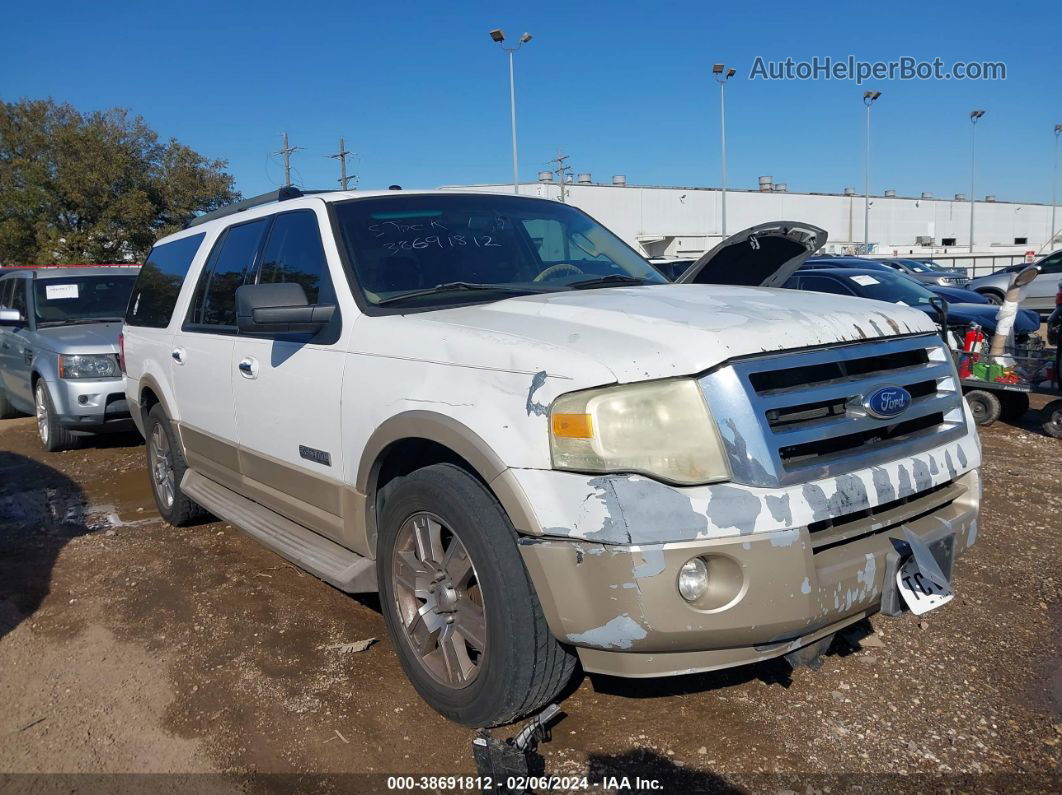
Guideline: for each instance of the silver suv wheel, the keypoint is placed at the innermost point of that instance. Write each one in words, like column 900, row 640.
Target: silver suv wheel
column 40, row 400
column 439, row 601
column 160, row 465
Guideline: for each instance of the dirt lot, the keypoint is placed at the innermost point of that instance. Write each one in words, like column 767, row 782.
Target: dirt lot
column 130, row 646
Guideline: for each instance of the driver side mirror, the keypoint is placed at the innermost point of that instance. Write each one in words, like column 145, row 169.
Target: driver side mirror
column 11, row 317
column 278, row 309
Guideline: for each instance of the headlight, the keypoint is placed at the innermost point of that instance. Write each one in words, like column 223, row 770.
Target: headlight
column 659, row 428
column 96, row 365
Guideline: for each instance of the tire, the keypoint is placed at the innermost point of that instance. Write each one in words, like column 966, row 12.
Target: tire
column 508, row 664
column 985, row 406
column 992, row 296
column 1052, row 418
column 166, row 467
column 1014, row 406
column 54, row 437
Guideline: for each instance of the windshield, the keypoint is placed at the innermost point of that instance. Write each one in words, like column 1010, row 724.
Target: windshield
column 81, row 299
column 890, row 287
column 437, row 249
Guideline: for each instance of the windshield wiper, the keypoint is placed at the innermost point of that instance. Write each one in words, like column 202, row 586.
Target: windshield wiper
column 79, row 320
column 605, row 281
column 448, row 287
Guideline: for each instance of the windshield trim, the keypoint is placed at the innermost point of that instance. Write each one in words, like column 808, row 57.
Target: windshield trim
column 461, row 298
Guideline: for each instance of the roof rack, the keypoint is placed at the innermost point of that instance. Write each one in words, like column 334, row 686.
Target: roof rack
column 285, row 193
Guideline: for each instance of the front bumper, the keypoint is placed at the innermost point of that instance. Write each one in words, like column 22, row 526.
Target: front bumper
column 769, row 592
column 91, row 405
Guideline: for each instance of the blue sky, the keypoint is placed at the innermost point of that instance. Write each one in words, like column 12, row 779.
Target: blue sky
column 421, row 93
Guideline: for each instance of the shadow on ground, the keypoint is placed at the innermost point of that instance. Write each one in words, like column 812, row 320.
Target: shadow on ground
column 41, row 509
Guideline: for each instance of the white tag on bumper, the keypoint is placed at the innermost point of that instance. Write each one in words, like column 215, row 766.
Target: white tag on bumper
column 920, row 592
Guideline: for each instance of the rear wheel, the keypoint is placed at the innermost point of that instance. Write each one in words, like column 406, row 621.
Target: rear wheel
column 166, row 467
column 992, row 296
column 1052, row 418
column 1014, row 405
column 458, row 603
column 985, row 406
column 54, row 437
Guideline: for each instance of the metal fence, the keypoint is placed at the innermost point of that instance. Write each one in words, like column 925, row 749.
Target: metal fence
column 975, row 264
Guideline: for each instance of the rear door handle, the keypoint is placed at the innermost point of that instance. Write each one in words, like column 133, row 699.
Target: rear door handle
column 248, row 367
column 178, row 355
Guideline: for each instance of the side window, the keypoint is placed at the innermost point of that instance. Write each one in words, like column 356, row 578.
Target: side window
column 823, row 284
column 5, row 293
column 159, row 282
column 233, row 257
column 1052, row 264
column 18, row 296
column 293, row 253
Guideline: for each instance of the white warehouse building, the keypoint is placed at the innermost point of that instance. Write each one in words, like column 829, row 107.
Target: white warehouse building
column 685, row 222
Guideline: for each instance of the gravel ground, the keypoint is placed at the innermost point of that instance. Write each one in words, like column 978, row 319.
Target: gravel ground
column 127, row 646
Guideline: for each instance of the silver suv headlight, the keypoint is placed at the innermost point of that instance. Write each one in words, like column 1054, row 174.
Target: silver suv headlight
column 88, row 365
column 659, row 428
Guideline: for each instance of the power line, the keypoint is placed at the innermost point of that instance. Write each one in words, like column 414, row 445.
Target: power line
column 562, row 170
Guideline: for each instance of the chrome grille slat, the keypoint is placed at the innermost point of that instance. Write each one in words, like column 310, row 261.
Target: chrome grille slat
column 764, row 429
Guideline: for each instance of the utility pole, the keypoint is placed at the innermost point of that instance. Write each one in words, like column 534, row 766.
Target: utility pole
column 341, row 156
column 869, row 98
column 498, row 37
column 1054, row 191
column 974, row 116
column 562, row 171
column 287, row 151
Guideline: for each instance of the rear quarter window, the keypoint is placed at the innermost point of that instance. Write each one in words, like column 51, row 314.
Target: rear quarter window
column 159, row 283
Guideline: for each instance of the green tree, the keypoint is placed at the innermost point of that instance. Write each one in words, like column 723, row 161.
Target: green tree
column 95, row 187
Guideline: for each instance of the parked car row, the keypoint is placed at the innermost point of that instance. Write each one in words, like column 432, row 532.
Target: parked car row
column 538, row 451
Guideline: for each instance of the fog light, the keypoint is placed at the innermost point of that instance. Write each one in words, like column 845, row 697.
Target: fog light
column 693, row 579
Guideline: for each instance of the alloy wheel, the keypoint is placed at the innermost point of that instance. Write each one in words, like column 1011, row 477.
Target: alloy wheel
column 439, row 601
column 41, row 403
column 161, row 466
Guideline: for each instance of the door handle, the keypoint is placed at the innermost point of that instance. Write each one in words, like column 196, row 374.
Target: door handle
column 178, row 355
column 248, row 367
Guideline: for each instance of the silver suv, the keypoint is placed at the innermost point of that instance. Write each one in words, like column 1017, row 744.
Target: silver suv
column 59, row 349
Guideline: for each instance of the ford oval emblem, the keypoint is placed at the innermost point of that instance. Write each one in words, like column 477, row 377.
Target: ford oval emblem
column 887, row 402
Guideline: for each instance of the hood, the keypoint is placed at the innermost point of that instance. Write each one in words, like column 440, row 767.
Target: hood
column 760, row 256
column 984, row 315
column 81, row 338
column 637, row 333
column 957, row 295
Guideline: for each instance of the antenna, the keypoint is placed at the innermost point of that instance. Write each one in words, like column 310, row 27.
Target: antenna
column 341, row 156
column 562, row 170
column 287, row 152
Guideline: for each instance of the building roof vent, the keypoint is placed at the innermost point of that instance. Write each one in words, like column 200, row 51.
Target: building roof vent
column 890, row 194
column 960, row 197
column 779, row 187
column 584, row 178
column 990, row 197
column 545, row 176
column 849, row 191
column 766, row 183
column 927, row 195
column 620, row 180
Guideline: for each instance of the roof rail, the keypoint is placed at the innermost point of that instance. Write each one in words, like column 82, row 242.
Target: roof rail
column 285, row 193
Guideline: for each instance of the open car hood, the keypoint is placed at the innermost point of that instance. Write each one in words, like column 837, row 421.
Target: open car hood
column 765, row 255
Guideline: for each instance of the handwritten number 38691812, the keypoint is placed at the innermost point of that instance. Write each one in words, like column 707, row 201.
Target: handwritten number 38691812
column 441, row 241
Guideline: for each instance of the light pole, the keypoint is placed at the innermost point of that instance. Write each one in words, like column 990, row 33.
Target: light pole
column 498, row 36
column 974, row 116
column 869, row 98
column 722, row 74
column 1054, row 190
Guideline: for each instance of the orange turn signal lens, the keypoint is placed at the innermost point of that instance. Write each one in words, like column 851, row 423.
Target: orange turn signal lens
column 573, row 426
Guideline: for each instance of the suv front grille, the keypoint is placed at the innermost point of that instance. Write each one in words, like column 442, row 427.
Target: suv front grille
column 798, row 416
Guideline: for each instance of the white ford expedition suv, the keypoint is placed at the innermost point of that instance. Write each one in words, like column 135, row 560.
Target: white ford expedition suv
column 493, row 412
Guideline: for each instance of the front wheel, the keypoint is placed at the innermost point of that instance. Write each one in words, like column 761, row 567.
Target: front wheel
column 54, row 437
column 984, row 406
column 458, row 603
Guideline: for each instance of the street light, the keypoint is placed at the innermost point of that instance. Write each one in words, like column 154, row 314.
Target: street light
column 869, row 98
column 974, row 116
column 722, row 74
column 1054, row 190
column 498, row 36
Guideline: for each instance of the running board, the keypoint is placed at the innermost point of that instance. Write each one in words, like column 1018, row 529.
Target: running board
column 334, row 564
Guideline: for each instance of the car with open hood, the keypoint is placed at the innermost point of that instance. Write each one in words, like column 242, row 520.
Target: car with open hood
column 494, row 413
